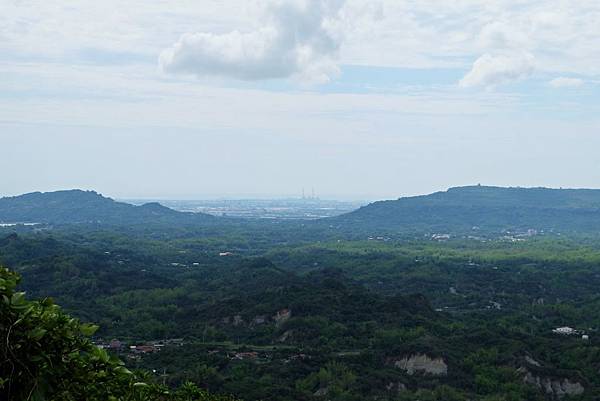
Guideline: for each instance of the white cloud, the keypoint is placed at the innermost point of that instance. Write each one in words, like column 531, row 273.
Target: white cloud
column 492, row 70
column 566, row 82
column 396, row 33
column 299, row 39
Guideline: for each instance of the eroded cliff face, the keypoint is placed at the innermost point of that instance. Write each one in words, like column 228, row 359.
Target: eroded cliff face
column 420, row 363
column 555, row 387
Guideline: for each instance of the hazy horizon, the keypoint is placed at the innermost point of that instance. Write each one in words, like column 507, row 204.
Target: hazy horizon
column 359, row 99
column 284, row 197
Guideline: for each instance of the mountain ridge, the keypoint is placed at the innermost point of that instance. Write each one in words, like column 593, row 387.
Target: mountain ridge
column 456, row 210
column 75, row 206
column 487, row 207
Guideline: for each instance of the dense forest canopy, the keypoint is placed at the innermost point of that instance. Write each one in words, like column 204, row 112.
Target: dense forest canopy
column 336, row 316
column 480, row 209
column 272, row 310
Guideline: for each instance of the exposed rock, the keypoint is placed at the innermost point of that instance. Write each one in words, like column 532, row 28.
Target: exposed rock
column 282, row 315
column 259, row 320
column 557, row 387
column 321, row 392
column 532, row 361
column 423, row 364
column 396, row 387
column 494, row 305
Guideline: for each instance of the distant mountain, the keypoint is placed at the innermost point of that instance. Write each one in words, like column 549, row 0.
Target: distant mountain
column 86, row 207
column 482, row 208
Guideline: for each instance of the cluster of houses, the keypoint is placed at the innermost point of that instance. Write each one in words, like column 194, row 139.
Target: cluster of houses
column 113, row 345
column 519, row 236
column 296, row 357
column 254, row 355
column 245, row 355
column 569, row 331
column 236, row 356
column 118, row 346
column 135, row 350
column 385, row 239
column 196, row 264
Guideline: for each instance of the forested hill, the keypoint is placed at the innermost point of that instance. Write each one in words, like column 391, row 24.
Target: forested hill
column 76, row 206
column 483, row 208
column 471, row 210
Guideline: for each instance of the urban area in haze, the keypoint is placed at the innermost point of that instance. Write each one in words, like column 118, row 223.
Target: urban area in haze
column 307, row 207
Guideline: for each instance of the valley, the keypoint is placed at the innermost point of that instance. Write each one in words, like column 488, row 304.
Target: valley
column 289, row 310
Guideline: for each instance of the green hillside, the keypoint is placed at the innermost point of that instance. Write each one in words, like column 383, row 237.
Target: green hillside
column 473, row 208
column 86, row 207
column 334, row 321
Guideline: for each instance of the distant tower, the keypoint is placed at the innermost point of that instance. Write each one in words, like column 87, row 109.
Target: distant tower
column 313, row 193
column 303, row 197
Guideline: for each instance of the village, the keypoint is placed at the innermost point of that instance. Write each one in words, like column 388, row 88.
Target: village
column 135, row 351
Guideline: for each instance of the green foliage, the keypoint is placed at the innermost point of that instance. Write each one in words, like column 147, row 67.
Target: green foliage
column 357, row 307
column 46, row 355
column 334, row 382
column 88, row 207
column 489, row 209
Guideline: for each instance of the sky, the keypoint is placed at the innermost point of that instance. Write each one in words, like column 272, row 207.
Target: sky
column 358, row 99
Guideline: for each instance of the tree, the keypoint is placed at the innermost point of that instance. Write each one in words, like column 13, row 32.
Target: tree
column 47, row 355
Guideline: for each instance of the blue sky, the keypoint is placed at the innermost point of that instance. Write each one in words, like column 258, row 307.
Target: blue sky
column 358, row 99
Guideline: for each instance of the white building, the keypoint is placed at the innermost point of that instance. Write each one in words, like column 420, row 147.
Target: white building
column 567, row 331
